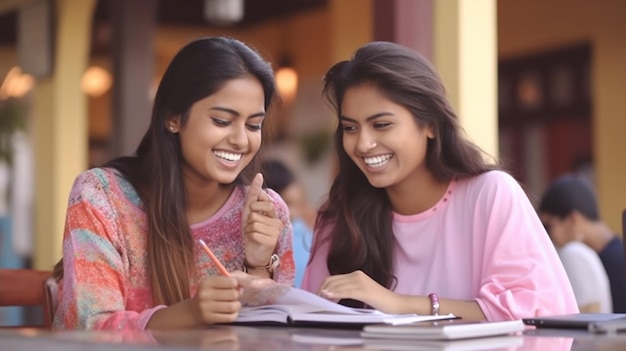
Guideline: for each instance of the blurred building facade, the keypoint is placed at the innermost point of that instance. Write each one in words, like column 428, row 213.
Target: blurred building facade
column 536, row 84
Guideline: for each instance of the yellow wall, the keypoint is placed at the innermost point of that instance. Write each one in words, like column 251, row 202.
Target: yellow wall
column 60, row 128
column 535, row 25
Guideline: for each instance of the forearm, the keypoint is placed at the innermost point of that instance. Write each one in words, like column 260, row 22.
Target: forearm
column 592, row 307
column 422, row 305
column 183, row 314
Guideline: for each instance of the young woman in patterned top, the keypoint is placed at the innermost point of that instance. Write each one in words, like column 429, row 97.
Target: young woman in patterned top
column 131, row 257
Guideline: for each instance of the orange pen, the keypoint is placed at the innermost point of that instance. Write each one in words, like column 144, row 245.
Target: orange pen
column 217, row 262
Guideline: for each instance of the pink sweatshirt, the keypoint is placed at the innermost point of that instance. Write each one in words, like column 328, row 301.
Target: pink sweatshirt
column 482, row 241
column 106, row 283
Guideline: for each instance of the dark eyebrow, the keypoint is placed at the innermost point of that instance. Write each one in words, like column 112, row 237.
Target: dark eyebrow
column 368, row 119
column 235, row 113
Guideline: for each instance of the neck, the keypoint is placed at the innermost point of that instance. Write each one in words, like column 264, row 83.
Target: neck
column 597, row 235
column 204, row 200
column 416, row 194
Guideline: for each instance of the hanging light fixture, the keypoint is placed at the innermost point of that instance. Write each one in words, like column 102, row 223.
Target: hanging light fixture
column 287, row 80
column 16, row 84
column 223, row 12
column 96, row 81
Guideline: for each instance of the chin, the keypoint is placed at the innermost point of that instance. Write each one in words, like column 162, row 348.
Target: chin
column 376, row 183
column 225, row 178
column 226, row 181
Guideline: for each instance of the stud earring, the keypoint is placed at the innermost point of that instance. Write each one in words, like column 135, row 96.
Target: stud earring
column 171, row 128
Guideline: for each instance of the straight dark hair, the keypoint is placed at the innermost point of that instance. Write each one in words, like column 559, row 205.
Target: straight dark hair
column 359, row 214
column 197, row 71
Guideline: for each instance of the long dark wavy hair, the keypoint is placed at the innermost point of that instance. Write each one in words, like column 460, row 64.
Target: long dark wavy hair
column 197, row 71
column 359, row 214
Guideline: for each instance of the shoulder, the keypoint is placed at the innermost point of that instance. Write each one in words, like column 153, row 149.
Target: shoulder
column 101, row 182
column 492, row 179
column 575, row 248
column 490, row 185
column 94, row 179
column 613, row 248
column 578, row 253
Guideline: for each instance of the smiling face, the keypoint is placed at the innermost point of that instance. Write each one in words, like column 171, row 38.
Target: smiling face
column 382, row 138
column 223, row 132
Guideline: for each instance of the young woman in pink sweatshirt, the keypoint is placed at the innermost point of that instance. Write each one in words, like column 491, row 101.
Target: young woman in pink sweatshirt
column 416, row 221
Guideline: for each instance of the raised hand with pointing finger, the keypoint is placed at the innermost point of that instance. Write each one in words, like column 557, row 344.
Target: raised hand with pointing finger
column 261, row 229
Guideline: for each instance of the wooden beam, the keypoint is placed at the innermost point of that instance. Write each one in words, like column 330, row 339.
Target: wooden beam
column 7, row 6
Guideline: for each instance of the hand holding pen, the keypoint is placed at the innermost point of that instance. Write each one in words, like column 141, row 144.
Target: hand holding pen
column 217, row 298
column 214, row 259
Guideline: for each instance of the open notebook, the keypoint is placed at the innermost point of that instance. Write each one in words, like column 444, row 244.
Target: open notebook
column 297, row 306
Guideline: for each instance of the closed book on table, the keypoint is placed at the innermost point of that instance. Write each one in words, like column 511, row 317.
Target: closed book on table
column 443, row 330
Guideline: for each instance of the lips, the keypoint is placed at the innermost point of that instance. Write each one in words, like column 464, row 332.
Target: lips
column 228, row 156
column 377, row 161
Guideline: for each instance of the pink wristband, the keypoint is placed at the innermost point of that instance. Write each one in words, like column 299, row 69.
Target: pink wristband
column 434, row 303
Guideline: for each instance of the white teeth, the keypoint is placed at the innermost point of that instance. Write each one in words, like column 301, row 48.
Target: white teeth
column 377, row 161
column 228, row 156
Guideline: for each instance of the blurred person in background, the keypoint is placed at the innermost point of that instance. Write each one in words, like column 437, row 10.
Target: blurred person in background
column 281, row 179
column 569, row 211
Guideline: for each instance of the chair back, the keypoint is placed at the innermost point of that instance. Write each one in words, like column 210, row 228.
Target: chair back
column 51, row 289
column 29, row 287
column 624, row 238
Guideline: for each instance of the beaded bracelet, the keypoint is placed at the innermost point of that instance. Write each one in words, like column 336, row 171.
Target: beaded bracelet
column 434, row 303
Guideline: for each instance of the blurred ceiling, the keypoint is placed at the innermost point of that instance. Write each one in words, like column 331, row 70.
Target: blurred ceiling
column 182, row 13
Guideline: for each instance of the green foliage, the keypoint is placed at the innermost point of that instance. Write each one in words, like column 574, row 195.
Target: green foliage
column 12, row 119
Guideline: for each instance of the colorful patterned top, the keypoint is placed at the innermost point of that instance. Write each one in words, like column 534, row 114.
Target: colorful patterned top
column 106, row 283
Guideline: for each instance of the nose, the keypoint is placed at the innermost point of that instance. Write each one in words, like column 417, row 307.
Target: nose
column 238, row 137
column 365, row 142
